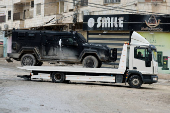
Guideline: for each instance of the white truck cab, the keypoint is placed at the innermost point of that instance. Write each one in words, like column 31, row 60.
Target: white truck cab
column 142, row 55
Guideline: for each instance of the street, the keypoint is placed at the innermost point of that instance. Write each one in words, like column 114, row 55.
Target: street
column 22, row 96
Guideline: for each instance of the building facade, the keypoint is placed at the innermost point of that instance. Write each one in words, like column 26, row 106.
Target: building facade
column 64, row 15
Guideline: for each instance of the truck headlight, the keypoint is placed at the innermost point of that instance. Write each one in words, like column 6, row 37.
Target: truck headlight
column 155, row 79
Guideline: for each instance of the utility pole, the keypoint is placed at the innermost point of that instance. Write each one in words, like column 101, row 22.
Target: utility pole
column 75, row 15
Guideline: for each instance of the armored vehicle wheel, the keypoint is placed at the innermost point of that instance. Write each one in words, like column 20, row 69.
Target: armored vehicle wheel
column 135, row 81
column 90, row 62
column 58, row 77
column 28, row 60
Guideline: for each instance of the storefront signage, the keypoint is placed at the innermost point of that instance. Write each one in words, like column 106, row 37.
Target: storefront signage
column 127, row 22
column 152, row 23
column 106, row 22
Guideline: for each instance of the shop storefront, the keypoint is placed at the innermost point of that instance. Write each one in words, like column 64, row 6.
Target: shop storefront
column 114, row 30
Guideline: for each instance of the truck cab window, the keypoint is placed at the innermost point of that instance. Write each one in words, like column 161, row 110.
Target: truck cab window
column 141, row 53
column 154, row 55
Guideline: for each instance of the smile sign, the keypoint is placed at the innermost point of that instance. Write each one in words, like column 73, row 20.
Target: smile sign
column 105, row 22
column 126, row 22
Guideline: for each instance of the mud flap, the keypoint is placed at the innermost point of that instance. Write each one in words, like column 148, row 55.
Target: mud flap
column 8, row 60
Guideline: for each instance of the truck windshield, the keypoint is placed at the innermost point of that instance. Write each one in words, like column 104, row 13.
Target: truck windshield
column 81, row 37
column 154, row 55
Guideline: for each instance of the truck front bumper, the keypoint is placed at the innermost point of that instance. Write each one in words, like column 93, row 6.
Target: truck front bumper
column 150, row 79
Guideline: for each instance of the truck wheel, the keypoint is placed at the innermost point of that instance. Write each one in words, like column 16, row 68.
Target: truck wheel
column 90, row 62
column 28, row 60
column 58, row 77
column 135, row 81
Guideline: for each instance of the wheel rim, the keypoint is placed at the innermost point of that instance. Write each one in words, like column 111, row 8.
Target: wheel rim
column 90, row 63
column 135, row 82
column 27, row 61
column 57, row 77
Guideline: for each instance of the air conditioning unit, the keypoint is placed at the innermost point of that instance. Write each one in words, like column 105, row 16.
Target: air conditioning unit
column 6, row 26
column 86, row 12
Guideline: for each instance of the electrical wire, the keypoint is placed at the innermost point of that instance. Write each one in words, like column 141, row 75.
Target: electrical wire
column 102, row 7
column 132, row 11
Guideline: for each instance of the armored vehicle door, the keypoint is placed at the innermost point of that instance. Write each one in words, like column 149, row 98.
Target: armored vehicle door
column 70, row 48
column 50, row 47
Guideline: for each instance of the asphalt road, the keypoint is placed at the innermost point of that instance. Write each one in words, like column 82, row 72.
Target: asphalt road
column 21, row 96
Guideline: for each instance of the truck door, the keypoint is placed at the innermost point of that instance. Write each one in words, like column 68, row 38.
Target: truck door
column 141, row 60
column 70, row 49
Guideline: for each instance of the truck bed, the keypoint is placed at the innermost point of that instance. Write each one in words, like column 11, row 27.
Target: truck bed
column 74, row 69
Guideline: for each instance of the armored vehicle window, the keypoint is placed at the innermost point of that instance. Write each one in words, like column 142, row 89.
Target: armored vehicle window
column 31, row 36
column 21, row 36
column 67, row 41
column 81, row 38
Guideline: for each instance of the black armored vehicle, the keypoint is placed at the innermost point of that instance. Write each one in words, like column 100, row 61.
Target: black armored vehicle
column 33, row 48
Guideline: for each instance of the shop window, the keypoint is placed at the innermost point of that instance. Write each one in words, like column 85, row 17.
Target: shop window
column 111, row 1
column 84, row 2
column 9, row 15
column 141, row 53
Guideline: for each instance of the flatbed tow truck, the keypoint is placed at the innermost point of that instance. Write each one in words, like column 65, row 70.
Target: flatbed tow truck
column 138, row 65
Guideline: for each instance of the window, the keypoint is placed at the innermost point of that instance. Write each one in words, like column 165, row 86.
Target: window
column 84, row 2
column 31, row 36
column 67, row 41
column 9, row 15
column 151, row 0
column 39, row 9
column 154, row 55
column 111, row 1
column 141, row 53
column 2, row 19
column 32, row 4
column 21, row 36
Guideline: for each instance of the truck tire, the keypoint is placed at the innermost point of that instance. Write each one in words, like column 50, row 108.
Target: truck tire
column 135, row 81
column 90, row 62
column 58, row 77
column 28, row 60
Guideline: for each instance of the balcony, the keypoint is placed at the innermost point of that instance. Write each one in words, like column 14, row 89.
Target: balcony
column 53, row 7
column 18, row 16
column 18, row 24
column 21, row 1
